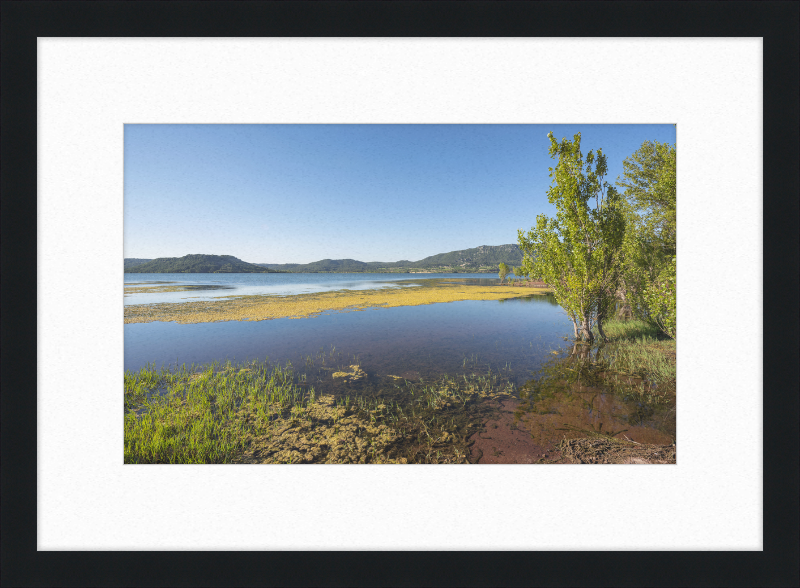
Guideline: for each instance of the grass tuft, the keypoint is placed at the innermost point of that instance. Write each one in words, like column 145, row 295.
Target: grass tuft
column 260, row 413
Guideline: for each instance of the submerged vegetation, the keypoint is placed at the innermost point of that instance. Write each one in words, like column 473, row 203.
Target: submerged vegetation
column 330, row 409
column 262, row 413
column 265, row 307
column 622, row 394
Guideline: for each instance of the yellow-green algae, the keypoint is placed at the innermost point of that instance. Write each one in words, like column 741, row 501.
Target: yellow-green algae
column 356, row 374
column 154, row 289
column 135, row 288
column 264, row 414
column 266, row 307
column 324, row 433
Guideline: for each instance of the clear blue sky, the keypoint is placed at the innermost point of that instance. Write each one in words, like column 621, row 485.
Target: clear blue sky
column 301, row 193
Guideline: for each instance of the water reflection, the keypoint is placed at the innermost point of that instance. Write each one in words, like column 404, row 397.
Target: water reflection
column 284, row 284
column 156, row 288
column 571, row 396
column 563, row 389
column 514, row 337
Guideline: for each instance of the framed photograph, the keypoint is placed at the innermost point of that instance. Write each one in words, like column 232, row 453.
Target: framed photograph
column 519, row 350
column 261, row 136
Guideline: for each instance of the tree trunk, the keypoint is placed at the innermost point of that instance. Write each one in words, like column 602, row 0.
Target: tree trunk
column 624, row 312
column 580, row 350
column 603, row 336
column 575, row 328
column 586, row 331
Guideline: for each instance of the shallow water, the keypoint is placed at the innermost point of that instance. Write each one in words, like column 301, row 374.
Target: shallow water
column 281, row 284
column 514, row 338
column 514, row 335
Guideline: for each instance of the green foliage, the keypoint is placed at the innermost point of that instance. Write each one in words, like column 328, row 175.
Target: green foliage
column 661, row 301
column 463, row 259
column 477, row 256
column 197, row 264
column 577, row 253
column 132, row 261
column 649, row 180
column 325, row 265
column 630, row 330
column 637, row 348
column 504, row 271
column 648, row 269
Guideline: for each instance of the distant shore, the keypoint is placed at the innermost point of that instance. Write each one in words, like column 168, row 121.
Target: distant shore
column 266, row 307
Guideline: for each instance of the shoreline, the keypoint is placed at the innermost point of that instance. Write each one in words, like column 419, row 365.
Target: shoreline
column 267, row 307
column 325, row 411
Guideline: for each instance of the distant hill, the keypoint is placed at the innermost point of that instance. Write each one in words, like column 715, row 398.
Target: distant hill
column 475, row 257
column 197, row 264
column 132, row 261
column 485, row 258
column 330, row 265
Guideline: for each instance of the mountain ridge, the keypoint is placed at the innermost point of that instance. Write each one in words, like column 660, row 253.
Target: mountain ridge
column 196, row 263
column 481, row 259
column 484, row 258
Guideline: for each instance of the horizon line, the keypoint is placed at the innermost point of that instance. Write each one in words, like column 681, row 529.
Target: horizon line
column 320, row 259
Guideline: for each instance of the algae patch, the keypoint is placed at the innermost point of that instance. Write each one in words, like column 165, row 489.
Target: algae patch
column 138, row 288
column 260, row 413
column 324, row 433
column 266, row 307
column 356, row 374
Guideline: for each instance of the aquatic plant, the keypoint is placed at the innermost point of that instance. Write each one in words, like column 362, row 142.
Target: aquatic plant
column 266, row 307
column 262, row 413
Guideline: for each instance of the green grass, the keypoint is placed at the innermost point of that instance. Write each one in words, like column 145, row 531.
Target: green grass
column 629, row 329
column 637, row 365
column 219, row 413
column 636, row 348
column 193, row 415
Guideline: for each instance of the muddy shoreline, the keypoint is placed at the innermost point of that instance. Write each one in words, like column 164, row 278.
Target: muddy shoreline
column 505, row 439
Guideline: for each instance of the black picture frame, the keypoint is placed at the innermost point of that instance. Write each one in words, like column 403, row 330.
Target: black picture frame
column 776, row 22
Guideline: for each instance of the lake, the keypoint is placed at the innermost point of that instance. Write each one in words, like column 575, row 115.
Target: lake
column 515, row 334
column 207, row 286
column 520, row 340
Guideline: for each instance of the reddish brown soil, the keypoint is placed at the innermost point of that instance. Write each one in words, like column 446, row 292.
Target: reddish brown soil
column 500, row 441
column 506, row 439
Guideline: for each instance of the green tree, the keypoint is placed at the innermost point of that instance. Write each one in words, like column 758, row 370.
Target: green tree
column 578, row 252
column 647, row 287
column 649, row 181
column 504, row 270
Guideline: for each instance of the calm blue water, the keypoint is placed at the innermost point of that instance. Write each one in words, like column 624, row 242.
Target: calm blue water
column 282, row 284
column 514, row 335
